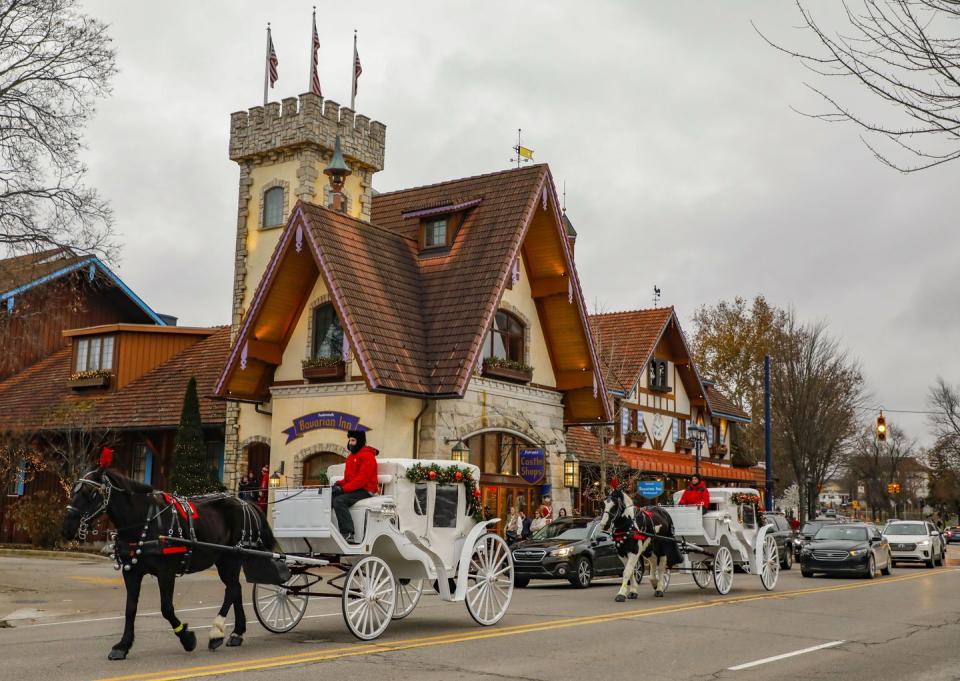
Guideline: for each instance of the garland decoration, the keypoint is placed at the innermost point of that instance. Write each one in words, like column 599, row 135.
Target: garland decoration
column 746, row 498
column 450, row 475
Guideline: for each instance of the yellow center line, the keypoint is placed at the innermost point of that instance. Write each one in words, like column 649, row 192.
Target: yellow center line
column 446, row 639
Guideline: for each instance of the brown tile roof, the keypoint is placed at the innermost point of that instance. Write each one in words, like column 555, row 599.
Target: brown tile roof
column 38, row 398
column 721, row 405
column 23, row 269
column 585, row 446
column 625, row 342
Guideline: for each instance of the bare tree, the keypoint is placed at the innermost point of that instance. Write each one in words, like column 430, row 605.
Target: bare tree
column 876, row 464
column 817, row 389
column 73, row 437
column 54, row 62
column 904, row 53
column 944, row 403
column 19, row 461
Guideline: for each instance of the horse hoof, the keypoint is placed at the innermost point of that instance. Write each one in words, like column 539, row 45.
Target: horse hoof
column 188, row 639
column 659, row 594
column 215, row 643
column 117, row 654
column 235, row 641
column 620, row 598
column 633, row 597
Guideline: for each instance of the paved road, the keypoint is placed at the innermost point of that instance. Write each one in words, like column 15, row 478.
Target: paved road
column 63, row 618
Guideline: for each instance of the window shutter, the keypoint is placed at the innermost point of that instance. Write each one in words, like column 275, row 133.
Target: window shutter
column 624, row 420
column 640, row 427
column 710, row 435
column 676, row 429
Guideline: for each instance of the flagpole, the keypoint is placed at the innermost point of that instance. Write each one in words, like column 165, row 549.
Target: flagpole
column 353, row 74
column 266, row 66
column 310, row 69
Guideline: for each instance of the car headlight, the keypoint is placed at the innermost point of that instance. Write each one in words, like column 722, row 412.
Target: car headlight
column 858, row 552
column 562, row 553
column 925, row 542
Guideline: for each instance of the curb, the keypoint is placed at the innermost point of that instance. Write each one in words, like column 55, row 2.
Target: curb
column 56, row 555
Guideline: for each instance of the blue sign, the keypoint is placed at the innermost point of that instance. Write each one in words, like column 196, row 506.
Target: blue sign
column 335, row 420
column 650, row 489
column 533, row 465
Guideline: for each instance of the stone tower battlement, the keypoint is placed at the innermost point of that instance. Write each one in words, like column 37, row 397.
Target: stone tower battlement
column 307, row 122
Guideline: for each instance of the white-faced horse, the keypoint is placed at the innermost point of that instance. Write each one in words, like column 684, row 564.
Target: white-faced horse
column 646, row 533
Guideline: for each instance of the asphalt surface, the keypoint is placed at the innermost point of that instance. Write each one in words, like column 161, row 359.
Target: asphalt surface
column 59, row 619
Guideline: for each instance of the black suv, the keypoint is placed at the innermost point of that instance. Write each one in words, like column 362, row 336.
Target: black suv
column 568, row 548
column 785, row 536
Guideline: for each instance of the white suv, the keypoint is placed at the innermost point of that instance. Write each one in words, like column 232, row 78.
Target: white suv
column 914, row 541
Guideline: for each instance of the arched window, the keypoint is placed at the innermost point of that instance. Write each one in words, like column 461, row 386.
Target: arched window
column 316, row 467
column 505, row 339
column 273, row 207
column 327, row 333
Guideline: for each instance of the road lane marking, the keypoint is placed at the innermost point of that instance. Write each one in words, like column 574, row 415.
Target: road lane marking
column 757, row 663
column 120, row 617
column 112, row 581
column 355, row 650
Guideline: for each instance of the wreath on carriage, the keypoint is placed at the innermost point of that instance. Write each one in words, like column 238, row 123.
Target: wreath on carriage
column 743, row 498
column 451, row 475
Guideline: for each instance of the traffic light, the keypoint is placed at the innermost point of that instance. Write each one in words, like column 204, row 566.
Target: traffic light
column 881, row 428
column 893, row 488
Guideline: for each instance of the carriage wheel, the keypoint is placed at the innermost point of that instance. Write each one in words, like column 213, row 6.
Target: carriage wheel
column 408, row 595
column 701, row 574
column 723, row 570
column 280, row 608
column 639, row 569
column 769, row 563
column 665, row 580
column 489, row 580
column 369, row 598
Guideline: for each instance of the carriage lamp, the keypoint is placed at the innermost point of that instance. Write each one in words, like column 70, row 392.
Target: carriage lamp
column 460, row 452
column 571, row 471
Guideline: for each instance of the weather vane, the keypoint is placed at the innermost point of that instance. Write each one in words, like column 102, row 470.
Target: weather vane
column 523, row 154
column 656, row 296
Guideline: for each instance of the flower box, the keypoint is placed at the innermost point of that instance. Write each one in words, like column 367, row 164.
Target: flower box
column 320, row 374
column 514, row 374
column 684, row 443
column 101, row 381
column 635, row 438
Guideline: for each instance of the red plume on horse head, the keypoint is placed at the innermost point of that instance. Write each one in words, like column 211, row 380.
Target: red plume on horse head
column 106, row 457
column 614, row 483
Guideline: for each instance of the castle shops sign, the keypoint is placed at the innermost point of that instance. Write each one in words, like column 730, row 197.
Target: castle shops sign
column 533, row 465
column 318, row 420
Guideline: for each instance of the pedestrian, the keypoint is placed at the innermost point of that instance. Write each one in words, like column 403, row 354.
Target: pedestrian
column 538, row 522
column 510, row 528
column 244, row 488
column 264, row 487
column 524, row 525
column 546, row 509
column 562, row 513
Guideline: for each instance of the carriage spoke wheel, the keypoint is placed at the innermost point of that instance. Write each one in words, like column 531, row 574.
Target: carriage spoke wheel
column 639, row 569
column 701, row 574
column 723, row 570
column 769, row 563
column 489, row 580
column 280, row 608
column 369, row 598
column 408, row 595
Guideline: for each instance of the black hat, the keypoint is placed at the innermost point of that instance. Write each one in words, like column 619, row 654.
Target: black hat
column 359, row 435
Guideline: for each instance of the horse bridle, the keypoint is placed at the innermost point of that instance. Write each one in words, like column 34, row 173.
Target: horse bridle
column 620, row 507
column 103, row 489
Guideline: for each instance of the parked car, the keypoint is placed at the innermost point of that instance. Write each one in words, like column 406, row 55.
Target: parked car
column 915, row 541
column 785, row 536
column 810, row 528
column 849, row 548
column 952, row 534
column 568, row 548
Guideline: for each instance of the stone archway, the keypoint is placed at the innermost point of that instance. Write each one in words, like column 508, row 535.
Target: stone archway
column 304, row 454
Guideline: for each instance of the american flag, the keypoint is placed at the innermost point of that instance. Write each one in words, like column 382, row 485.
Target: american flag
column 314, row 76
column 272, row 60
column 357, row 70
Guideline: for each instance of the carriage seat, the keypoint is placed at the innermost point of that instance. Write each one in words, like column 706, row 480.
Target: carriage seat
column 359, row 510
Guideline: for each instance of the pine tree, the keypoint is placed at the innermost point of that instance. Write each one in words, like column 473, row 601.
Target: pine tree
column 192, row 472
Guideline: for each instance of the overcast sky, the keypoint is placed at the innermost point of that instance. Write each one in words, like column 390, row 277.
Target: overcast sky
column 671, row 124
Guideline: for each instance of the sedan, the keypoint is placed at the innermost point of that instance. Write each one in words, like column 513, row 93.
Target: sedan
column 809, row 529
column 857, row 549
column 952, row 534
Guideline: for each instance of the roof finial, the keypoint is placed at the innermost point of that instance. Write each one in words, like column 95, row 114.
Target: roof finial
column 564, row 209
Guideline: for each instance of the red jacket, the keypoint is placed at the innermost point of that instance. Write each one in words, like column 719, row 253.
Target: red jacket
column 361, row 472
column 697, row 495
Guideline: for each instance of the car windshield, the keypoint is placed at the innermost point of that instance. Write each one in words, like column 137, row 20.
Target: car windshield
column 841, row 532
column 575, row 528
column 811, row 528
column 905, row 529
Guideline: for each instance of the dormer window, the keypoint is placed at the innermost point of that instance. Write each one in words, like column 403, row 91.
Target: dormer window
column 436, row 233
column 93, row 353
column 658, row 376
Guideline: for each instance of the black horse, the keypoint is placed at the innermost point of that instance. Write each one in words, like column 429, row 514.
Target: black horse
column 142, row 516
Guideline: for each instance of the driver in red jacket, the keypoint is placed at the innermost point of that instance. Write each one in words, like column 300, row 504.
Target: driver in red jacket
column 696, row 494
column 359, row 481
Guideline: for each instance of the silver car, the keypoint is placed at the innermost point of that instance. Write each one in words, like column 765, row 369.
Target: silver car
column 915, row 541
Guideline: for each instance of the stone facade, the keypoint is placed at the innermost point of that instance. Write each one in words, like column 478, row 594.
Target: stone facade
column 302, row 131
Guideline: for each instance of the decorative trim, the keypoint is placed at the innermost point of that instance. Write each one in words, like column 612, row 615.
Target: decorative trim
column 516, row 391
column 441, row 210
column 280, row 392
column 273, row 184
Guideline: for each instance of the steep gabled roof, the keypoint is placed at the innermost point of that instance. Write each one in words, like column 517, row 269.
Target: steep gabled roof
column 417, row 321
column 39, row 399
column 721, row 405
column 22, row 273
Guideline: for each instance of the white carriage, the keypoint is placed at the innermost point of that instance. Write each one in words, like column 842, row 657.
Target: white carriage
column 412, row 535
column 723, row 536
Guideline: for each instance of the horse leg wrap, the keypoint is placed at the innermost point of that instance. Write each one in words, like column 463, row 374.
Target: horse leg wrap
column 235, row 641
column 217, row 632
column 188, row 639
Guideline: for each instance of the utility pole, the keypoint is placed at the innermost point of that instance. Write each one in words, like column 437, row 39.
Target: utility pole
column 767, row 435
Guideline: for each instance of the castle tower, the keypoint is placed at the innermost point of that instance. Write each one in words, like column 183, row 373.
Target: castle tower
column 282, row 150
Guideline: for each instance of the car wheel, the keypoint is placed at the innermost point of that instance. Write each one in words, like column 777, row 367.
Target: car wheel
column 582, row 573
column 806, row 573
column 520, row 582
column 889, row 567
column 930, row 563
column 787, row 561
column 871, row 567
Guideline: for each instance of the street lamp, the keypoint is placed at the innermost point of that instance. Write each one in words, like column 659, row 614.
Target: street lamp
column 460, row 452
column 699, row 437
column 571, row 477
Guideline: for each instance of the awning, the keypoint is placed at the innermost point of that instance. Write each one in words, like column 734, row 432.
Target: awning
column 653, row 461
